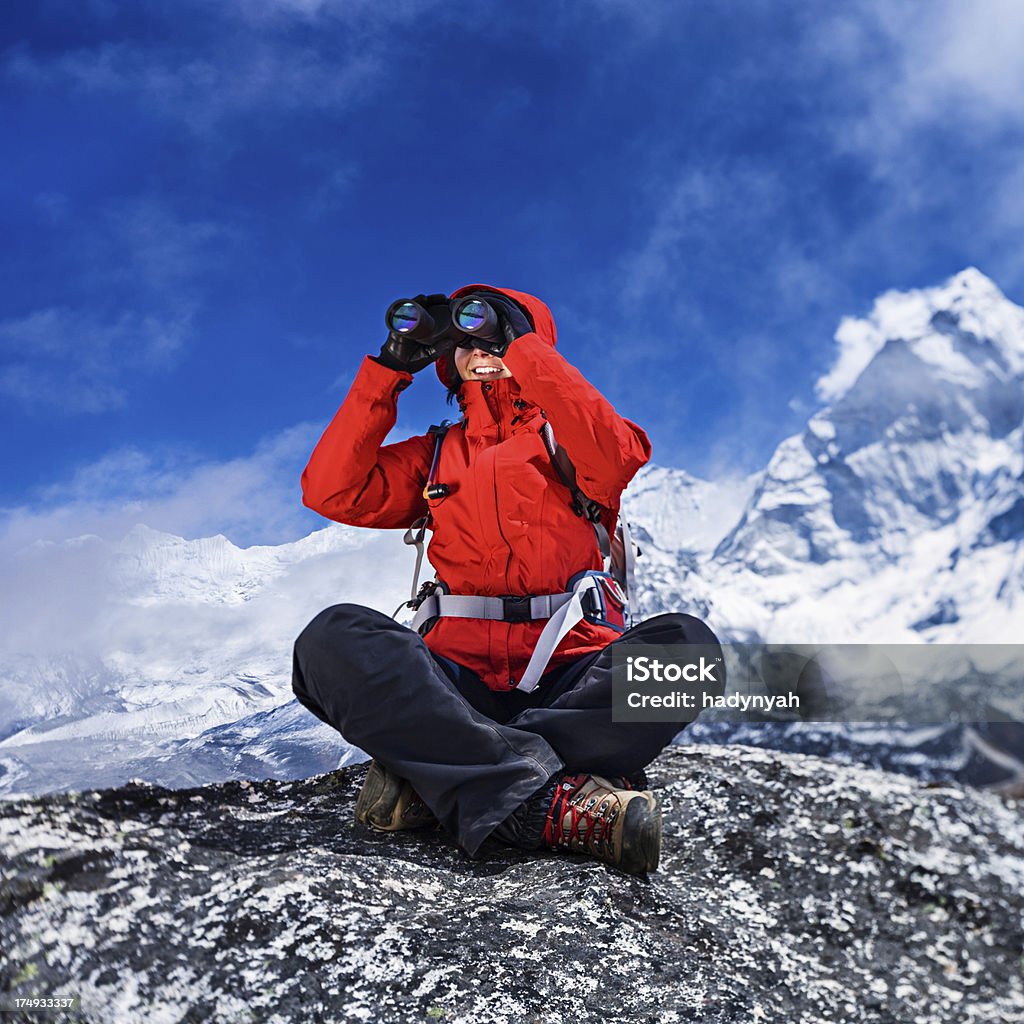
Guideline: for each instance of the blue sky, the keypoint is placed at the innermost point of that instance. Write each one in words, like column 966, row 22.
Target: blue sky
column 207, row 206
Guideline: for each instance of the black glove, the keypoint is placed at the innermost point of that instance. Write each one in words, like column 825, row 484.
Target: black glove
column 401, row 353
column 511, row 318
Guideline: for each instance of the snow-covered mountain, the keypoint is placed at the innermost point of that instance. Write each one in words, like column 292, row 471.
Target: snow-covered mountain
column 171, row 659
column 911, row 480
column 896, row 515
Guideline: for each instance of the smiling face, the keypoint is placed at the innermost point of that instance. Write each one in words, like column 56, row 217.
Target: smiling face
column 476, row 364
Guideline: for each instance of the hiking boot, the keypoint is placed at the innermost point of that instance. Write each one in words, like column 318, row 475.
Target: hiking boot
column 388, row 803
column 622, row 827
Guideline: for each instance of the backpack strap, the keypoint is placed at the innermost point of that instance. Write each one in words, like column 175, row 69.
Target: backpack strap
column 584, row 507
column 627, row 577
column 620, row 553
column 416, row 533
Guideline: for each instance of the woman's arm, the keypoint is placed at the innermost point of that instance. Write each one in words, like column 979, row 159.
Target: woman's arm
column 605, row 448
column 352, row 479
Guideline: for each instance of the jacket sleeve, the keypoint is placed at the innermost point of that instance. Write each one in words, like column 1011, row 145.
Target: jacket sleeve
column 605, row 448
column 350, row 477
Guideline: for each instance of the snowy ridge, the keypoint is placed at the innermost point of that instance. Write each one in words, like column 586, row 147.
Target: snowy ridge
column 897, row 503
column 164, row 641
column 969, row 306
column 896, row 515
column 152, row 566
column 679, row 512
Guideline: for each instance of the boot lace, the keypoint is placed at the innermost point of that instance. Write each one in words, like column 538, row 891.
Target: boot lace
column 586, row 825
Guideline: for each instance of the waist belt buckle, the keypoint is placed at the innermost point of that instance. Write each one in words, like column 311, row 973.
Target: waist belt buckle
column 593, row 607
column 516, row 608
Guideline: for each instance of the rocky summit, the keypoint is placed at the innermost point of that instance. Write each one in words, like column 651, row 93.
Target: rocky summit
column 791, row 889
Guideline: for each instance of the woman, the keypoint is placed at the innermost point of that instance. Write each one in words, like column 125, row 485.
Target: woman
column 456, row 731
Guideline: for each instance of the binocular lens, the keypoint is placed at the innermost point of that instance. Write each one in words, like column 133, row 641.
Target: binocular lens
column 404, row 318
column 471, row 316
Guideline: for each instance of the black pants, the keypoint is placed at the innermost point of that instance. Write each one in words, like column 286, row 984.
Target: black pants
column 472, row 754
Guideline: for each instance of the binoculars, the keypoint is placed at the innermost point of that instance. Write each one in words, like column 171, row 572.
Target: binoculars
column 472, row 316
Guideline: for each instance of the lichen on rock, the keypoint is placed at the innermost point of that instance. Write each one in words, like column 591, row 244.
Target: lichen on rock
column 791, row 889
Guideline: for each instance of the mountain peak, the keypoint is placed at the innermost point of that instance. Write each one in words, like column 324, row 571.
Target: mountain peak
column 965, row 320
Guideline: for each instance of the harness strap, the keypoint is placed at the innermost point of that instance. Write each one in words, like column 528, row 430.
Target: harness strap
column 568, row 616
column 563, row 612
column 504, row 609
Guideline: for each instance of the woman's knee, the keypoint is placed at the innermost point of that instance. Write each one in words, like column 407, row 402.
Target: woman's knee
column 328, row 627
column 321, row 643
column 351, row 646
column 675, row 628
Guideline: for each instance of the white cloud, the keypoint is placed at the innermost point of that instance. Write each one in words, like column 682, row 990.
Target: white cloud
column 143, row 242
column 964, row 54
column 250, row 499
column 858, row 342
column 883, row 73
column 703, row 216
column 134, row 273
column 78, row 362
column 204, row 90
column 907, row 68
column 251, row 63
column 656, row 262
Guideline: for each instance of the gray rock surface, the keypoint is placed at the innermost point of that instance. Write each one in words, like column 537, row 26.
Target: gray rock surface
column 791, row 890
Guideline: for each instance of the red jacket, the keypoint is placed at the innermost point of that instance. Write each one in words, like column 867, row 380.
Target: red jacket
column 506, row 526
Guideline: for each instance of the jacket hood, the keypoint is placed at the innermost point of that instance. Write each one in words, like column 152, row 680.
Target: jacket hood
column 539, row 314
